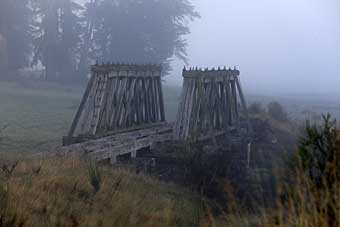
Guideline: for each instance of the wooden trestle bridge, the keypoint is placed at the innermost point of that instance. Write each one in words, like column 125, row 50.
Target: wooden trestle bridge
column 122, row 110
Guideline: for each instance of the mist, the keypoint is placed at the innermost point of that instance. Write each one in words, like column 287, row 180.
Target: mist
column 281, row 47
column 169, row 113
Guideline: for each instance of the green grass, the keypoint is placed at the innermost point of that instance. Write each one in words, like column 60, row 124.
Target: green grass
column 38, row 114
column 36, row 117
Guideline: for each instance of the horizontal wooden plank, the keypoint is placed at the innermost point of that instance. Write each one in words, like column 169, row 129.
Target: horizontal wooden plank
column 119, row 144
column 126, row 68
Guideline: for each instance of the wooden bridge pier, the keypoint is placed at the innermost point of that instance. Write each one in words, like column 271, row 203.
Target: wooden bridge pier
column 122, row 110
column 212, row 102
column 120, row 99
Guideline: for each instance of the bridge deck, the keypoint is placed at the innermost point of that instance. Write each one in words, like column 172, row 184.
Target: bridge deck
column 112, row 146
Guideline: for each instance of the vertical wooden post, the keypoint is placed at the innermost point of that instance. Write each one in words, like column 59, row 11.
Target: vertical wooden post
column 81, row 106
column 161, row 104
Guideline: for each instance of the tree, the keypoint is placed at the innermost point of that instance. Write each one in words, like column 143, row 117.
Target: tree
column 66, row 38
column 316, row 167
column 87, row 34
column 15, row 17
column 256, row 108
column 57, row 30
column 144, row 31
column 276, row 111
column 319, row 152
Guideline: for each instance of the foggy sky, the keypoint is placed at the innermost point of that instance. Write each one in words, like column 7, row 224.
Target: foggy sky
column 280, row 46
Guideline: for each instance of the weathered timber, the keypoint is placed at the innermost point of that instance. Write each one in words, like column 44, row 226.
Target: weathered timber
column 210, row 103
column 109, row 147
column 119, row 96
column 122, row 111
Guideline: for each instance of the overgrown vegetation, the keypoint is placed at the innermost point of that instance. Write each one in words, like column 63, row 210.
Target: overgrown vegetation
column 61, row 194
column 256, row 108
column 319, row 152
column 276, row 111
column 94, row 175
column 62, row 191
column 207, row 171
column 313, row 190
column 58, row 192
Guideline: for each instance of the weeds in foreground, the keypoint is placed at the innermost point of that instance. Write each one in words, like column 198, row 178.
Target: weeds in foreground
column 8, row 215
column 94, row 175
column 8, row 168
column 308, row 189
column 62, row 195
column 311, row 196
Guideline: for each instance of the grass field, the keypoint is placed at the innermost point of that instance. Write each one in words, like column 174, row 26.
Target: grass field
column 35, row 115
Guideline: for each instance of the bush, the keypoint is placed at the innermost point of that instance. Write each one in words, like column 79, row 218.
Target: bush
column 319, row 152
column 276, row 111
column 209, row 170
column 311, row 195
column 256, row 108
column 202, row 168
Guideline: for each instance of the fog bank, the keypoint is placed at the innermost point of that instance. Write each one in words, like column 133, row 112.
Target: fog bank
column 283, row 46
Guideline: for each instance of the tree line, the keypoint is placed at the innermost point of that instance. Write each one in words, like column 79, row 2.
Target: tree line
column 64, row 37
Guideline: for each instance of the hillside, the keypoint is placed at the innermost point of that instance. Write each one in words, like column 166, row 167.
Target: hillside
column 58, row 192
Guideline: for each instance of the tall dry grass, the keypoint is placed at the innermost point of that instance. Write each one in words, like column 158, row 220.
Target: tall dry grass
column 300, row 204
column 59, row 192
column 304, row 203
column 72, row 192
column 307, row 190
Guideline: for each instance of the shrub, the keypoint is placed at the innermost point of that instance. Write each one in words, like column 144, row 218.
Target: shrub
column 276, row 111
column 311, row 195
column 256, row 108
column 319, row 152
column 208, row 170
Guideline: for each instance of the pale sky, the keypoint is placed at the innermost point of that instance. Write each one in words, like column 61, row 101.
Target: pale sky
column 278, row 45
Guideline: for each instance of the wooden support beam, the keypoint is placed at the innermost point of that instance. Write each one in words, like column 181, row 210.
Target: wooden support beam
column 81, row 106
column 87, row 111
column 119, row 97
column 161, row 100
column 99, row 107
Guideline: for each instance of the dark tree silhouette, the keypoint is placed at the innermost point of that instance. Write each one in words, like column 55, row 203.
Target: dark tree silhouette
column 56, row 41
column 65, row 37
column 276, row 111
column 144, row 31
column 14, row 35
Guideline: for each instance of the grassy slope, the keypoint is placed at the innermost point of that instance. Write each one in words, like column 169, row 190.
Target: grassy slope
column 38, row 115
column 61, row 195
